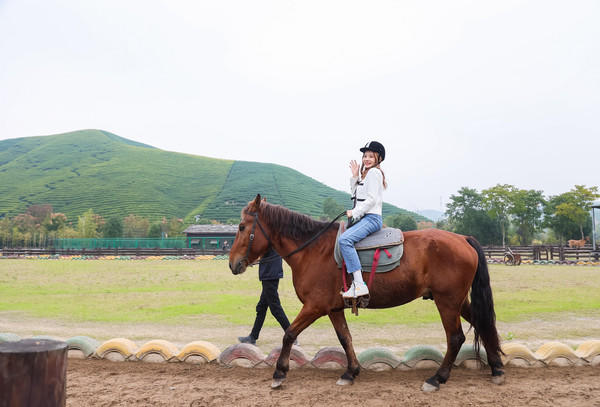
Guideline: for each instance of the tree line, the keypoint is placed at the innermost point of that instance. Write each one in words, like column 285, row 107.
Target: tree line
column 40, row 225
column 505, row 214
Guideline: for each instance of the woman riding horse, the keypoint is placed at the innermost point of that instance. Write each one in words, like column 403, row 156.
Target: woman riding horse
column 435, row 262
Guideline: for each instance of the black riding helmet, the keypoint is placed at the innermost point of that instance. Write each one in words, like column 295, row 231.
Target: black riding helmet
column 376, row 147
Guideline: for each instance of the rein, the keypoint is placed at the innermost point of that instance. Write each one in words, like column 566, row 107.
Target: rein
column 299, row 248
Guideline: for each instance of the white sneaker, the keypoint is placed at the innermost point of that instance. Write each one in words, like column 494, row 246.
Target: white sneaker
column 360, row 290
column 356, row 290
column 349, row 293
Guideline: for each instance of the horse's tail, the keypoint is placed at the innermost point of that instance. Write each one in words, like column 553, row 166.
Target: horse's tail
column 483, row 316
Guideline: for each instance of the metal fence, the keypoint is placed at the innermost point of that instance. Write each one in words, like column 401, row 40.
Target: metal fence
column 199, row 243
column 120, row 243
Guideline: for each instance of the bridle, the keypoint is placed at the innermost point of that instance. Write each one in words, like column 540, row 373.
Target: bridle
column 251, row 237
column 276, row 256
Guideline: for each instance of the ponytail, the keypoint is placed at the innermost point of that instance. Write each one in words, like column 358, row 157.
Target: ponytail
column 382, row 173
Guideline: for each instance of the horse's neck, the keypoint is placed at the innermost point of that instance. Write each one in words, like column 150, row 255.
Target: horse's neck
column 286, row 246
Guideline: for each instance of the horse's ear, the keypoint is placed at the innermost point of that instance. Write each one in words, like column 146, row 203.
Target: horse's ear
column 257, row 202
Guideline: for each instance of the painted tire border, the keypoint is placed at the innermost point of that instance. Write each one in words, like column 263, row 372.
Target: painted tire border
column 552, row 353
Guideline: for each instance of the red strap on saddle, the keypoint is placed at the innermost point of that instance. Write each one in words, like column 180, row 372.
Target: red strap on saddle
column 374, row 266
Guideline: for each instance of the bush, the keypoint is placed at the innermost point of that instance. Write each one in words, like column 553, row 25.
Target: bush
column 400, row 221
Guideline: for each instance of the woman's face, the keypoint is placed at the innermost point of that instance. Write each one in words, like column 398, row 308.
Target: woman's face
column 369, row 159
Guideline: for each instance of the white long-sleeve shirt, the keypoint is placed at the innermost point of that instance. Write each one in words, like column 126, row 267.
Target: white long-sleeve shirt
column 368, row 193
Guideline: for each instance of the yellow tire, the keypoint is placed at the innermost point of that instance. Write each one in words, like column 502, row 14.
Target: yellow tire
column 165, row 349
column 202, row 349
column 552, row 350
column 588, row 350
column 514, row 351
column 123, row 346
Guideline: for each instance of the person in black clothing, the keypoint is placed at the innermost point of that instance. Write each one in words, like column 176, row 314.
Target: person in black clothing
column 269, row 273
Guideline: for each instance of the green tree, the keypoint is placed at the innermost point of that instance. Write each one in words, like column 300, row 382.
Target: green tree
column 401, row 221
column 527, row 210
column 578, row 204
column 442, row 224
column 55, row 222
column 467, row 216
column 155, row 231
column 135, row 226
column 88, row 225
column 67, row 232
column 113, row 228
column 176, row 227
column 561, row 225
column 331, row 208
column 6, row 227
column 498, row 201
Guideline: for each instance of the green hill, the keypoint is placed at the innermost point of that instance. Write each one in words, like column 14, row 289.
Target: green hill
column 116, row 177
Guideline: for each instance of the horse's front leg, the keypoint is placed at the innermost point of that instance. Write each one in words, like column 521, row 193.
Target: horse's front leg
column 306, row 317
column 338, row 319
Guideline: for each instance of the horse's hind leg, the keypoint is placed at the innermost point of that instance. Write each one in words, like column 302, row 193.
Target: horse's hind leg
column 491, row 347
column 304, row 318
column 338, row 319
column 454, row 337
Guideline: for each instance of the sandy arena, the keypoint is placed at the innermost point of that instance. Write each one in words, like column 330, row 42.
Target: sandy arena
column 105, row 383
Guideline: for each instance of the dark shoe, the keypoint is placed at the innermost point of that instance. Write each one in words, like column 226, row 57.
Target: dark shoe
column 247, row 339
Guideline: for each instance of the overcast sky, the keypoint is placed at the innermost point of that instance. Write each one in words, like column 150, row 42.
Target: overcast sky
column 461, row 93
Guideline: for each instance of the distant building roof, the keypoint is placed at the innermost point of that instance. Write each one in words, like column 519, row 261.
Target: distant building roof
column 211, row 229
column 596, row 204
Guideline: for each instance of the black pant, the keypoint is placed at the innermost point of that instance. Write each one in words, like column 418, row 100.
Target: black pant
column 269, row 298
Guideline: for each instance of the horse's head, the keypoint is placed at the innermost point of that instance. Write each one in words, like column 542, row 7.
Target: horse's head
column 251, row 239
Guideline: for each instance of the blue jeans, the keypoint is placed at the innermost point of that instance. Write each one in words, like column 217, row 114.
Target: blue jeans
column 370, row 223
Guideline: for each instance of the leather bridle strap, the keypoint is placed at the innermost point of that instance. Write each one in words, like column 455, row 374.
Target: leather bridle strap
column 251, row 237
column 274, row 257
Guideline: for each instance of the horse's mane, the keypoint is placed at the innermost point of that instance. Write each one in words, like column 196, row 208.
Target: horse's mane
column 290, row 224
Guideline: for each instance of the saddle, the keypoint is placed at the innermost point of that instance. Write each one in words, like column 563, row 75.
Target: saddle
column 379, row 252
column 389, row 242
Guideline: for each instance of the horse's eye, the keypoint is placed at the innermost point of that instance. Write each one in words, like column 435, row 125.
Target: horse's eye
column 242, row 227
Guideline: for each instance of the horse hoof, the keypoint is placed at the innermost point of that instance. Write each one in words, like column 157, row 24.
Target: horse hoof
column 429, row 388
column 344, row 382
column 276, row 383
column 498, row 379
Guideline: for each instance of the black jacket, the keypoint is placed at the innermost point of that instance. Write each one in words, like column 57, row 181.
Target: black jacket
column 271, row 269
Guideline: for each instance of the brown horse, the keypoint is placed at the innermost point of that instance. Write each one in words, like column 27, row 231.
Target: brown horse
column 579, row 243
column 435, row 263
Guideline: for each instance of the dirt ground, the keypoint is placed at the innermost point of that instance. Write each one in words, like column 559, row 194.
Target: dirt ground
column 105, row 383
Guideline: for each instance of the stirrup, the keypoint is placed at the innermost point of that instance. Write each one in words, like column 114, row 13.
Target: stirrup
column 360, row 302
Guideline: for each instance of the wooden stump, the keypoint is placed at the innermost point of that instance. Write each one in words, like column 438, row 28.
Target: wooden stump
column 33, row 372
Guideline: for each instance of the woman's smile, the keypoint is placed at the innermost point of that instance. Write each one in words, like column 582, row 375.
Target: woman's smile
column 368, row 159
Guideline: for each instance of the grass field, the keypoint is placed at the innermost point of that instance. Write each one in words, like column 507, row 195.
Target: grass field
column 183, row 301
column 173, row 291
